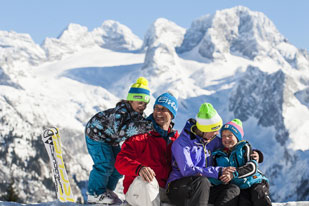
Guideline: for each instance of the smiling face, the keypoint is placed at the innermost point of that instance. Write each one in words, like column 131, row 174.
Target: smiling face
column 228, row 139
column 162, row 116
column 138, row 106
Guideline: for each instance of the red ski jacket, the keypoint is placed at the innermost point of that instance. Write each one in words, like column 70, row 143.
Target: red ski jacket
column 149, row 150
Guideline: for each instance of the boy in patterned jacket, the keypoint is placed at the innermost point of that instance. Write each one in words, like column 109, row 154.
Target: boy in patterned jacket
column 236, row 153
column 104, row 131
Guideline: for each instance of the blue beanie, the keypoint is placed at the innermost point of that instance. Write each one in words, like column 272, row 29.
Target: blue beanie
column 168, row 101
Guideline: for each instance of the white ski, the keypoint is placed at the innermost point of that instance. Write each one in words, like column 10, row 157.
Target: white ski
column 52, row 144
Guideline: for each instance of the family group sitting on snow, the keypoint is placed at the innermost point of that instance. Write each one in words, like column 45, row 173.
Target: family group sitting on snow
column 195, row 167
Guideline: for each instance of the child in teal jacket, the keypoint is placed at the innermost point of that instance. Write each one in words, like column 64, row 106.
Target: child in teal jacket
column 237, row 153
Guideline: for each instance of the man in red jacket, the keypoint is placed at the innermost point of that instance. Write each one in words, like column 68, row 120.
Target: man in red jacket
column 149, row 155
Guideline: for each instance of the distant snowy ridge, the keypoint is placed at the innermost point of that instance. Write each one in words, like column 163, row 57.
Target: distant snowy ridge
column 111, row 35
column 241, row 32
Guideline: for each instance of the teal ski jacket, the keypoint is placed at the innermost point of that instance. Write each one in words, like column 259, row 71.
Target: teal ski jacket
column 246, row 173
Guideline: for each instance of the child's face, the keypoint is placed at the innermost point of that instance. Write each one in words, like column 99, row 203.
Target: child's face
column 138, row 106
column 228, row 139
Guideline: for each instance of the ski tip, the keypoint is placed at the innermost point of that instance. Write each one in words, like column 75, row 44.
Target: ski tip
column 50, row 132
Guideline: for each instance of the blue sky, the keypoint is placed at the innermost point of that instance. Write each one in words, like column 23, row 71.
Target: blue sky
column 43, row 19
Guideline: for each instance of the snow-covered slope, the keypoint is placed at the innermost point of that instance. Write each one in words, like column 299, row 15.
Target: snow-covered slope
column 236, row 59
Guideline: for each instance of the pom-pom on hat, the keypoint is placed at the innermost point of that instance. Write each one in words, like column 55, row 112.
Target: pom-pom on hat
column 235, row 126
column 207, row 119
column 169, row 101
column 139, row 91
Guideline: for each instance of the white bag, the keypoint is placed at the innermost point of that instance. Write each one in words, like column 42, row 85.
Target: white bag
column 142, row 193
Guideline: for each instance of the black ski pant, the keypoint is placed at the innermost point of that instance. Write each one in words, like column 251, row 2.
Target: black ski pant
column 198, row 191
column 256, row 195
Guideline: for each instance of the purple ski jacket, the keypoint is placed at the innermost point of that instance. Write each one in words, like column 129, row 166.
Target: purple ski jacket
column 191, row 156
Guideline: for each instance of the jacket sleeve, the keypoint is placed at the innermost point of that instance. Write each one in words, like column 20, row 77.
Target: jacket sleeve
column 250, row 166
column 186, row 166
column 97, row 127
column 126, row 163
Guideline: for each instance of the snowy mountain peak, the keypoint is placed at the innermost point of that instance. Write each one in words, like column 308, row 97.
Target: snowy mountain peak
column 8, row 38
column 111, row 35
column 72, row 31
column 16, row 47
column 116, row 36
column 163, row 31
column 74, row 38
column 237, row 30
column 160, row 41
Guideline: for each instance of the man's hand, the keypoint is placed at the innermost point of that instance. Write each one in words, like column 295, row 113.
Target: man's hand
column 147, row 174
column 255, row 156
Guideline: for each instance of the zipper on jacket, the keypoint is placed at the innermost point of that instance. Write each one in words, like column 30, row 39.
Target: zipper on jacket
column 236, row 160
column 205, row 150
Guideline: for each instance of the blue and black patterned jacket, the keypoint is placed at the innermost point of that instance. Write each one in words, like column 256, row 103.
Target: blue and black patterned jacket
column 117, row 124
